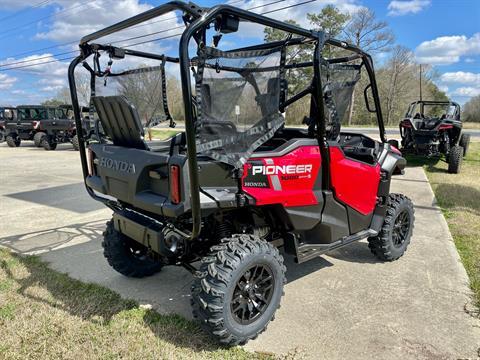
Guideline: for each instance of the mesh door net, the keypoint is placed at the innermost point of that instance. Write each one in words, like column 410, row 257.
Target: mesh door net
column 338, row 85
column 238, row 96
column 143, row 87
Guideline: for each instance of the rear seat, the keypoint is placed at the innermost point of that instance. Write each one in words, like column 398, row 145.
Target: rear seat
column 121, row 123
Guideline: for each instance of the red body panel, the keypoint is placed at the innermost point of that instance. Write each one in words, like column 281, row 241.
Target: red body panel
column 355, row 183
column 286, row 180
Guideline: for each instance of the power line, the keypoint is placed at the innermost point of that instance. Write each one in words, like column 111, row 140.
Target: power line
column 16, row 13
column 76, row 41
column 41, row 63
column 36, row 59
column 141, row 36
column 45, row 17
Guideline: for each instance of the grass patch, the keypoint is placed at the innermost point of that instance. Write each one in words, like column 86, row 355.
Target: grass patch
column 162, row 134
column 47, row 315
column 471, row 125
column 459, row 197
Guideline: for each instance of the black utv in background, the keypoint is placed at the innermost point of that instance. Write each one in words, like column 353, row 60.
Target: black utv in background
column 6, row 113
column 434, row 128
column 46, row 126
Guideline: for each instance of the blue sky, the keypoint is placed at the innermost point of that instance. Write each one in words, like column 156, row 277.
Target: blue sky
column 444, row 33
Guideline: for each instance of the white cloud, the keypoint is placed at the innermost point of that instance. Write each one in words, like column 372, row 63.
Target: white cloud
column 466, row 91
column 52, row 88
column 461, row 77
column 399, row 8
column 15, row 4
column 6, row 81
column 82, row 20
column 39, row 64
column 446, row 50
column 469, row 60
column 443, row 88
column 297, row 13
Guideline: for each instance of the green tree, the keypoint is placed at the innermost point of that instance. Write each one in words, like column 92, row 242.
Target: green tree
column 297, row 79
column 53, row 102
column 372, row 36
column 471, row 110
column 329, row 19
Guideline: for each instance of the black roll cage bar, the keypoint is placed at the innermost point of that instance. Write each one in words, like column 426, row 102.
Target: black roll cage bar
column 433, row 103
column 196, row 18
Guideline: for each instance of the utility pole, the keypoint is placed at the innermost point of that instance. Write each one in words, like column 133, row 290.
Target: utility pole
column 420, row 82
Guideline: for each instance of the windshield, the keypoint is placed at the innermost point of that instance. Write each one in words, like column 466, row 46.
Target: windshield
column 7, row 114
column 430, row 111
column 32, row 114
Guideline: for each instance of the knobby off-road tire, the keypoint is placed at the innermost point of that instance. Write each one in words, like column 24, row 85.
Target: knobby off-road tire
column 13, row 141
column 76, row 145
column 455, row 159
column 38, row 138
column 465, row 143
column 126, row 256
column 48, row 145
column 392, row 241
column 239, row 288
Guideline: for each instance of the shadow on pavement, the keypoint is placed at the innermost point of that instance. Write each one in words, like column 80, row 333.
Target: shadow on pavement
column 430, row 162
column 357, row 252
column 48, row 240
column 69, row 197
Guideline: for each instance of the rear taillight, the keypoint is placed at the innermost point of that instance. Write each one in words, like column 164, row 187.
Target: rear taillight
column 445, row 127
column 395, row 150
column 36, row 125
column 90, row 159
column 174, row 179
column 406, row 124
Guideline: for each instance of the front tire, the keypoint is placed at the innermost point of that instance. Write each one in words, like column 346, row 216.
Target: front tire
column 76, row 145
column 38, row 138
column 455, row 158
column 392, row 241
column 13, row 141
column 127, row 256
column 465, row 142
column 239, row 289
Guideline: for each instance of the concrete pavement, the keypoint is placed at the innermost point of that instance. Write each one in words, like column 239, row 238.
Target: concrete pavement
column 345, row 305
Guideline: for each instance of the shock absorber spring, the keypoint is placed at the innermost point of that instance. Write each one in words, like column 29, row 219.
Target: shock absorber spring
column 223, row 229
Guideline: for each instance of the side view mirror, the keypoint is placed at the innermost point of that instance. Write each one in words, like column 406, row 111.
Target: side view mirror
column 367, row 93
column 394, row 143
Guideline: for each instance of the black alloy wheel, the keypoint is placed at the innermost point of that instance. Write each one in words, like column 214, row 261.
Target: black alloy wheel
column 252, row 295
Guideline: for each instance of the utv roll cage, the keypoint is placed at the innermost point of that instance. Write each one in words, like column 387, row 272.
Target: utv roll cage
column 422, row 103
column 225, row 17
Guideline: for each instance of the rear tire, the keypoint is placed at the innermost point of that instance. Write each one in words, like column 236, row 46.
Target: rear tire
column 38, row 138
column 239, row 288
column 465, row 142
column 13, row 141
column 455, row 158
column 126, row 256
column 48, row 144
column 76, row 145
column 392, row 241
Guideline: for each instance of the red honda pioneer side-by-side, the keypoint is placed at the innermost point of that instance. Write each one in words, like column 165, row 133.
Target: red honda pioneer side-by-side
column 225, row 196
